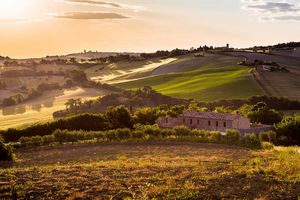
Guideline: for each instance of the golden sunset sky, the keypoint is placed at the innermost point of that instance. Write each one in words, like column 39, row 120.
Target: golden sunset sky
column 34, row 28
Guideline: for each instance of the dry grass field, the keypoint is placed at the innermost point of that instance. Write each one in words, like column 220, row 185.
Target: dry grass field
column 125, row 71
column 41, row 109
column 155, row 170
column 280, row 84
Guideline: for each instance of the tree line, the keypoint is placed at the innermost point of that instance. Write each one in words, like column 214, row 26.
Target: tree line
column 286, row 128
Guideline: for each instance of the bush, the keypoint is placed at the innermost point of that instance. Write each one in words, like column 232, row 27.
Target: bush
column 182, row 131
column 31, row 141
column 202, row 135
column 215, row 137
column 151, row 130
column 288, row 131
column 267, row 145
column 123, row 134
column 251, row 140
column 67, row 136
column 138, row 134
column 232, row 136
column 112, row 135
column 6, row 153
column 267, row 136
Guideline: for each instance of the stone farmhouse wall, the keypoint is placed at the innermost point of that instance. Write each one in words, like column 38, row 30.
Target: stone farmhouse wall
column 222, row 125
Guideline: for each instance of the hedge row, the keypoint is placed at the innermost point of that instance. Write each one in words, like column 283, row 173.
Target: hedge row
column 146, row 133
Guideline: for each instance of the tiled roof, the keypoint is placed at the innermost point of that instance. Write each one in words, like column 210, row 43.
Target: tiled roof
column 209, row 115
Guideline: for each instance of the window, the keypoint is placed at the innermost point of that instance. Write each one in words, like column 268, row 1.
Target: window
column 217, row 123
column 183, row 120
column 167, row 120
column 198, row 121
column 191, row 121
column 225, row 124
column 209, row 123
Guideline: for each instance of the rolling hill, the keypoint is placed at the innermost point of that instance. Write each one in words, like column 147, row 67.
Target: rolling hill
column 204, row 84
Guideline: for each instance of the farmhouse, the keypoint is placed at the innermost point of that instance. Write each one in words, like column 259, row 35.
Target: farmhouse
column 207, row 121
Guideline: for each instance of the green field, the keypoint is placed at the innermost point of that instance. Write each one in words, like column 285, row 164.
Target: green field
column 205, row 84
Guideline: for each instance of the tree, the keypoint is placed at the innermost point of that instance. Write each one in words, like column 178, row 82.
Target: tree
column 5, row 152
column 288, row 131
column 73, row 104
column 78, row 76
column 33, row 94
column 146, row 116
column 8, row 101
column 119, row 117
column 260, row 113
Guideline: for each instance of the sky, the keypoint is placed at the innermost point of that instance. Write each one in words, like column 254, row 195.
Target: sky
column 36, row 28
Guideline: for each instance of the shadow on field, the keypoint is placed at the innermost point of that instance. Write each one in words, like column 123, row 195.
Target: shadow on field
column 257, row 186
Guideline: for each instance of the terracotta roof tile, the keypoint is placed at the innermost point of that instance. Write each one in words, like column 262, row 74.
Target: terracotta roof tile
column 209, row 115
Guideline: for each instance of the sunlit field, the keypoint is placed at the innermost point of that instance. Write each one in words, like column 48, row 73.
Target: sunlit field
column 41, row 110
column 162, row 170
column 204, row 84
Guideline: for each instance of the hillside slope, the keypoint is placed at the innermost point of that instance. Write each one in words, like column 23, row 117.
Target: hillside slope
column 279, row 84
column 190, row 62
column 204, row 84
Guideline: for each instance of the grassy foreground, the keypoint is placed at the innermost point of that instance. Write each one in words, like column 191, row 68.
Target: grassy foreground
column 204, row 84
column 159, row 170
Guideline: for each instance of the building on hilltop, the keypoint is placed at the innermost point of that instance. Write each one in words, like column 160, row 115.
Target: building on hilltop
column 212, row 121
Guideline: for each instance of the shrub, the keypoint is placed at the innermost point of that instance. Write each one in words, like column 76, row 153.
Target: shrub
column 123, row 134
column 288, row 131
column 112, row 135
column 202, row 135
column 63, row 136
column 232, row 136
column 6, row 153
column 138, row 134
column 267, row 136
column 215, row 137
column 167, row 132
column 182, row 131
column 48, row 139
column 151, row 130
column 251, row 140
column 267, row 145
column 31, row 141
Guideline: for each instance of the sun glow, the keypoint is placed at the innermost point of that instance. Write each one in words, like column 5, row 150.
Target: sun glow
column 13, row 9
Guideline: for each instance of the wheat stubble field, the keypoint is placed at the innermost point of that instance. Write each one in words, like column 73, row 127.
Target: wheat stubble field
column 155, row 170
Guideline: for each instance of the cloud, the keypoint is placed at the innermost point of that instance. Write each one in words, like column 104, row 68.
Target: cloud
column 88, row 16
column 12, row 20
column 273, row 10
column 273, row 7
column 93, row 2
column 104, row 4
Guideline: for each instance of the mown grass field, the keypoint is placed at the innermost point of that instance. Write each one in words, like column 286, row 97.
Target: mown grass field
column 155, row 170
column 204, row 84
